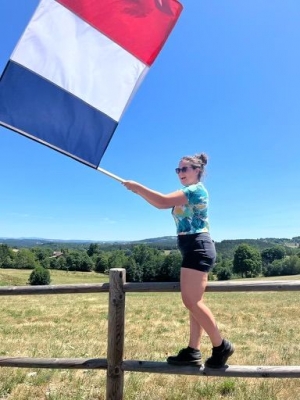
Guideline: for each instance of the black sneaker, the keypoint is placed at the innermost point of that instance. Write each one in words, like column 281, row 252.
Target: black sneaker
column 219, row 357
column 186, row 356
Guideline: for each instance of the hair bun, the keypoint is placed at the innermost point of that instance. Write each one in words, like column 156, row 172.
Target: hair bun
column 202, row 157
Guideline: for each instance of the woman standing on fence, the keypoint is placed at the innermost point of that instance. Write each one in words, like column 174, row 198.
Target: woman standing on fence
column 190, row 211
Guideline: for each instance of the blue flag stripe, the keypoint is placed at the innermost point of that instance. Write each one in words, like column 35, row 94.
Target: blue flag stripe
column 51, row 115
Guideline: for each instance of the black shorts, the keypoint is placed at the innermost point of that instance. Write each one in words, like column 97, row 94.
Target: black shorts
column 198, row 251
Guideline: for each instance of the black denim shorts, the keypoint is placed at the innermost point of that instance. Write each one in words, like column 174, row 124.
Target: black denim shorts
column 198, row 251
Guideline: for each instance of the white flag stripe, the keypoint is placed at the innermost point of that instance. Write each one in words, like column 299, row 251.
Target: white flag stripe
column 67, row 51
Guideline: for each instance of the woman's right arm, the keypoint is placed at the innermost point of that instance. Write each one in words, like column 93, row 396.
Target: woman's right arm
column 157, row 199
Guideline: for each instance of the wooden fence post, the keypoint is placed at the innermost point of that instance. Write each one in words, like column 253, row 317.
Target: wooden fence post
column 115, row 343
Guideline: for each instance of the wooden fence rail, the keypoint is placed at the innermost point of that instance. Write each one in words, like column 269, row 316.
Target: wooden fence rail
column 224, row 286
column 114, row 364
column 241, row 371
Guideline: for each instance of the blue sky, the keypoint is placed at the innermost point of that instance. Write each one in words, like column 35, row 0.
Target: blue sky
column 227, row 83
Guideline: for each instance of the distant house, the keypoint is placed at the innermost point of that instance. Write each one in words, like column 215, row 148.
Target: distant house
column 56, row 254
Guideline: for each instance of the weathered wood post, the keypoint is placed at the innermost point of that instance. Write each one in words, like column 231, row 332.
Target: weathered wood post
column 115, row 343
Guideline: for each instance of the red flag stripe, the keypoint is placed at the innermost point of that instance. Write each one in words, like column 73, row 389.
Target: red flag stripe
column 139, row 26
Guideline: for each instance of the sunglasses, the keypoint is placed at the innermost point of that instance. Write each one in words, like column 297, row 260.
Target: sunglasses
column 183, row 169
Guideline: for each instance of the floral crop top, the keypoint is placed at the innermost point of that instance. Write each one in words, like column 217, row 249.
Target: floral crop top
column 192, row 217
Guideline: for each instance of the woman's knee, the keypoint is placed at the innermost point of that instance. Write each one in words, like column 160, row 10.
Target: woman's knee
column 191, row 302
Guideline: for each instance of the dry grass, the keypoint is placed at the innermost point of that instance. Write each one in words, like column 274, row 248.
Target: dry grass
column 263, row 326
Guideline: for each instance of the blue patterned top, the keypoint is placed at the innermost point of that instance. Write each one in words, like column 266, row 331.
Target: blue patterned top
column 192, row 217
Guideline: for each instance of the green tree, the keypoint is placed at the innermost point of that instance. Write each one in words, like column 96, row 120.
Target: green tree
column 288, row 266
column 247, row 261
column 291, row 266
column 25, row 259
column 149, row 259
column 93, row 249
column 134, row 272
column 141, row 253
column 273, row 253
column 116, row 259
column 101, row 262
column 61, row 263
column 223, row 270
column 6, row 256
column 273, row 269
column 40, row 276
column 41, row 253
column 58, row 263
column 79, row 261
column 170, row 268
column 45, row 263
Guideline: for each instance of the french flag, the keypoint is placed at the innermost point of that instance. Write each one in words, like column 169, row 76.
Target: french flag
column 76, row 68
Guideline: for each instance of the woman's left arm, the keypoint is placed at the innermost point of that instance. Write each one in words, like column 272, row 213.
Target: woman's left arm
column 157, row 199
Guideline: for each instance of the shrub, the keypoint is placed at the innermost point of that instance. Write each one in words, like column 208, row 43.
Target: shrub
column 39, row 276
column 224, row 274
column 291, row 266
column 274, row 269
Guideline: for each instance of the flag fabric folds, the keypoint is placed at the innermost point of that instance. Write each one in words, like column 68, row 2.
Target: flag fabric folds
column 76, row 68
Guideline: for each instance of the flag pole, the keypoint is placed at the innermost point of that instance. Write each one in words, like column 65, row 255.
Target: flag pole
column 110, row 174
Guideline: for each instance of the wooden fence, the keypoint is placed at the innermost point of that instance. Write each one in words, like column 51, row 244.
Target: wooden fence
column 114, row 363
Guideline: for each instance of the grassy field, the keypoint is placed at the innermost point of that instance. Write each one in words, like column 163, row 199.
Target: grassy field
column 17, row 277
column 264, row 327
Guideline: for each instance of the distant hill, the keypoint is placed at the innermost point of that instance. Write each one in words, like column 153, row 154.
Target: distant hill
column 225, row 247
column 52, row 243
column 228, row 247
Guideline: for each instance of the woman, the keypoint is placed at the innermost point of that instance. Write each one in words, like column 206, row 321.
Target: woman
column 190, row 211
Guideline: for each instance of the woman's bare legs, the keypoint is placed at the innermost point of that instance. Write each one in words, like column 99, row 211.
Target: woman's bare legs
column 196, row 332
column 193, row 284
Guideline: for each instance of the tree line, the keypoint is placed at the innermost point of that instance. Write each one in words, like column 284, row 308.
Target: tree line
column 145, row 263
column 249, row 262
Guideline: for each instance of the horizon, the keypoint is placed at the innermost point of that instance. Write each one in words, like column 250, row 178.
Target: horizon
column 140, row 240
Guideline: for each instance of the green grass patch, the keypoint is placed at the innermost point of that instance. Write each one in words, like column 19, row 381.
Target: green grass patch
column 19, row 277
